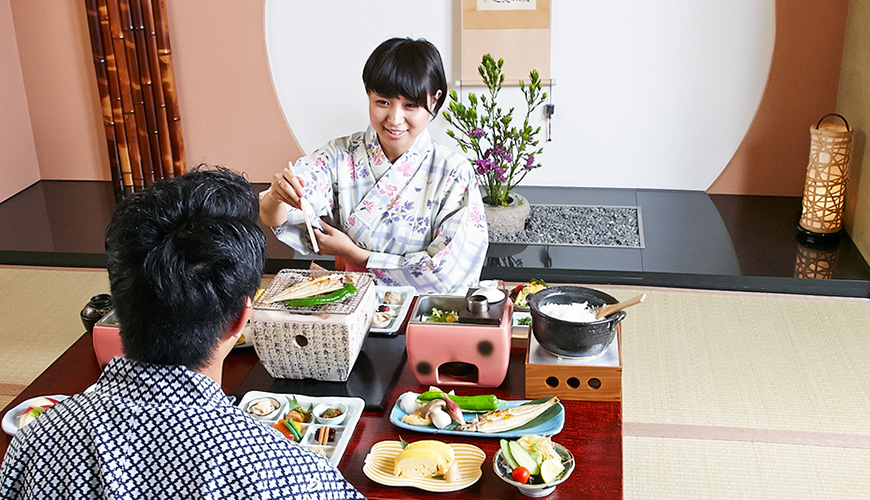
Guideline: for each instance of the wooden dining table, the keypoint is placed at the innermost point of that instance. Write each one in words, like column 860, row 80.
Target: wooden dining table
column 592, row 430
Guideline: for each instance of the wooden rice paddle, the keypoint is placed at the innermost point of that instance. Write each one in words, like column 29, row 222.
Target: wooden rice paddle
column 609, row 309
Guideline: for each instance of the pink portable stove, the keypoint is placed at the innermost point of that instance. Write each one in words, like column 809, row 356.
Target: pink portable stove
column 473, row 351
column 107, row 339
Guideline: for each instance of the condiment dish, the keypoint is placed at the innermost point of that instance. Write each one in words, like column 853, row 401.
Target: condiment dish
column 327, row 420
column 263, row 408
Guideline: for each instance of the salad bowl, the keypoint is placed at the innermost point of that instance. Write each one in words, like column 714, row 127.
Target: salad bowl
column 539, row 489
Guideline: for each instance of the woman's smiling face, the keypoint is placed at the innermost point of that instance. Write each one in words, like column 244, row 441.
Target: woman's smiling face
column 397, row 121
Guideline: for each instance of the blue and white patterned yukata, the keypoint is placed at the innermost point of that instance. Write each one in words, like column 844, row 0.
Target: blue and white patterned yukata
column 150, row 431
column 422, row 217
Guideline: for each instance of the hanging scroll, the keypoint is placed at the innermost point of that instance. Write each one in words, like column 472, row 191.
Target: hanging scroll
column 517, row 31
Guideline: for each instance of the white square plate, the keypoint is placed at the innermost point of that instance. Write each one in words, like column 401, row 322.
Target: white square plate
column 392, row 327
column 344, row 430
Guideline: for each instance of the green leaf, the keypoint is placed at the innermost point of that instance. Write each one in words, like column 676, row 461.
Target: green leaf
column 548, row 415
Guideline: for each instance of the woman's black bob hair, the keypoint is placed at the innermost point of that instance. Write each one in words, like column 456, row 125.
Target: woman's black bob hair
column 408, row 68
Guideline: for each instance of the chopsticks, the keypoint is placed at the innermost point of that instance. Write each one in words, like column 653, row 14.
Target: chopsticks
column 306, row 206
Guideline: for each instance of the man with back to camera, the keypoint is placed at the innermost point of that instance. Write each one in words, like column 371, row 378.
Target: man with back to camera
column 185, row 257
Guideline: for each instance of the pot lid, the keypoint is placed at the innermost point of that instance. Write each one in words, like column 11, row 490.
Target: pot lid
column 489, row 289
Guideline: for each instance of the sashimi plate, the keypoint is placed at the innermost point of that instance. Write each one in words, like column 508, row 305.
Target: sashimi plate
column 548, row 427
column 379, row 467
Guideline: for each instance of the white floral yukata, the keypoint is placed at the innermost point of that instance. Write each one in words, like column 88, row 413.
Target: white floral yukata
column 421, row 217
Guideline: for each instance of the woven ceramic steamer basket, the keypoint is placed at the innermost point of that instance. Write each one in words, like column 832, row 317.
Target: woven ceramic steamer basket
column 320, row 342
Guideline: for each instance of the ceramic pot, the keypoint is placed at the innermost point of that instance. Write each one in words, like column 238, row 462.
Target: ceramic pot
column 95, row 309
column 570, row 339
column 507, row 220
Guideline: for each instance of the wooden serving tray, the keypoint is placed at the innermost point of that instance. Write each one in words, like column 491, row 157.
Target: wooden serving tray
column 593, row 379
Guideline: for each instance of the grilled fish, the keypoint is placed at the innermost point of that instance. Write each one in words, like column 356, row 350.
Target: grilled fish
column 310, row 288
column 507, row 418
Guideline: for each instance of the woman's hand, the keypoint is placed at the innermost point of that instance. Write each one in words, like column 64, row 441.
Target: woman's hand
column 333, row 241
column 285, row 188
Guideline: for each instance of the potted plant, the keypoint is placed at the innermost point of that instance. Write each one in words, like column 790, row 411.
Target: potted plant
column 501, row 153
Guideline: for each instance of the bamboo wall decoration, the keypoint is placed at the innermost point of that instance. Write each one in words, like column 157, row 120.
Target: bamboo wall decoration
column 136, row 84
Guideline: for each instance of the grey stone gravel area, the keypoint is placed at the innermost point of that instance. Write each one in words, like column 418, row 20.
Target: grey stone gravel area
column 579, row 225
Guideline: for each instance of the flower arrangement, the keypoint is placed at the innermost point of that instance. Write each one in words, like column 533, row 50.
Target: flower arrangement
column 503, row 154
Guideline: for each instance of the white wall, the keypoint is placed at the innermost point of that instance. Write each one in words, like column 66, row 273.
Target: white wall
column 647, row 95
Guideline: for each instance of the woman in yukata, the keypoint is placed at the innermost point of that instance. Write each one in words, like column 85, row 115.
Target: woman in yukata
column 389, row 200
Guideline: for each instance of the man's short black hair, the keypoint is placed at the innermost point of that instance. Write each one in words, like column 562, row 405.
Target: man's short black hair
column 183, row 254
column 408, row 68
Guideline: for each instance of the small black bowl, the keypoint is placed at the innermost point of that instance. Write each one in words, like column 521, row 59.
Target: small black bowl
column 567, row 338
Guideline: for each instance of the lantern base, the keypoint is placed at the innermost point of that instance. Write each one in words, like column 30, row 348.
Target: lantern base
column 817, row 240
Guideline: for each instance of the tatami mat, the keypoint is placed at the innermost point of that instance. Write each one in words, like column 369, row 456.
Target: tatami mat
column 680, row 469
column 745, row 395
column 742, row 359
column 40, row 318
column 40, row 315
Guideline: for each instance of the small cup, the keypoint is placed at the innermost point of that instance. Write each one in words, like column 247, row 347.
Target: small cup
column 478, row 304
column 322, row 407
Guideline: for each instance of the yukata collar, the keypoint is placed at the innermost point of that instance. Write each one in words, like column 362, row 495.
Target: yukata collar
column 159, row 384
column 421, row 146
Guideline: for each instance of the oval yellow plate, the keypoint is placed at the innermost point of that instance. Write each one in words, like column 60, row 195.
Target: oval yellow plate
column 379, row 467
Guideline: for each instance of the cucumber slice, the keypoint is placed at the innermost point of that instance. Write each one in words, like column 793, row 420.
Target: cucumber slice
column 524, row 459
column 506, row 453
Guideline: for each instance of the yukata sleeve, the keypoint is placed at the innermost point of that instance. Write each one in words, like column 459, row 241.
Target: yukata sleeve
column 15, row 471
column 317, row 172
column 452, row 262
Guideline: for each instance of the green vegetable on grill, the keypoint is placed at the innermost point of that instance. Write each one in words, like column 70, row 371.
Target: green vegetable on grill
column 336, row 296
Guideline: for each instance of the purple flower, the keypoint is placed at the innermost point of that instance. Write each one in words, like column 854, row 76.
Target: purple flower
column 476, row 133
column 500, row 173
column 530, row 163
column 503, row 152
column 484, row 166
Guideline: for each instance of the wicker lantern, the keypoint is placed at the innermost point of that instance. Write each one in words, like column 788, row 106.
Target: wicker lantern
column 825, row 187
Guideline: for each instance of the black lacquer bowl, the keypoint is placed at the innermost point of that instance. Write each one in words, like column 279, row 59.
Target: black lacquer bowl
column 568, row 338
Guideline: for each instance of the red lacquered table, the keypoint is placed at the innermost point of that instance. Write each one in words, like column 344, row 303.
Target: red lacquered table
column 593, row 430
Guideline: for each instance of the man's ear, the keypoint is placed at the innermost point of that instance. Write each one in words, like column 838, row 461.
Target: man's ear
column 239, row 323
